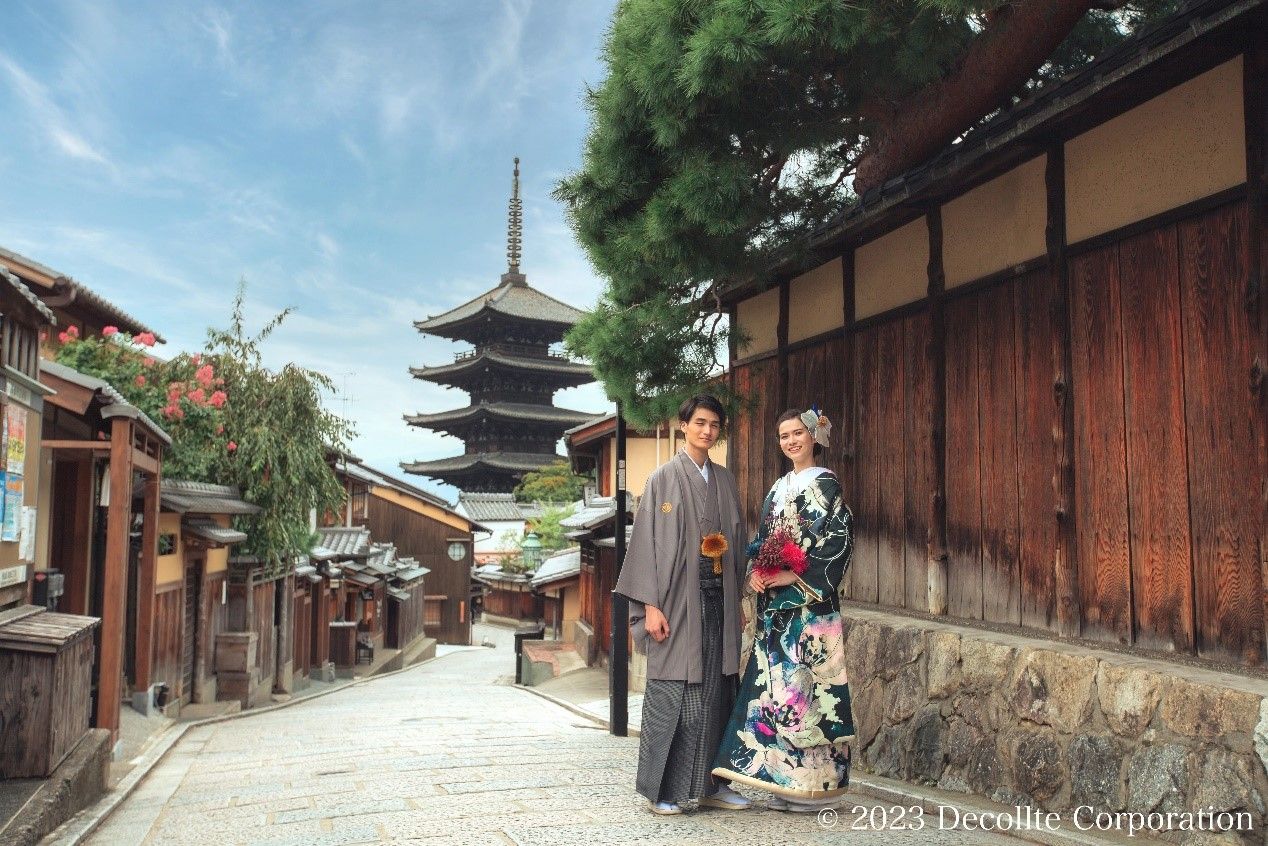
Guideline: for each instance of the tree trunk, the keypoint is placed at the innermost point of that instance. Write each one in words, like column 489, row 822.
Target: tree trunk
column 1017, row 41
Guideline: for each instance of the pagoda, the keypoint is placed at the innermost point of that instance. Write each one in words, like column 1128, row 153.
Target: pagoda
column 511, row 425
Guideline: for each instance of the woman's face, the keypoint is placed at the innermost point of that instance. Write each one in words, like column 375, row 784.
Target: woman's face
column 795, row 441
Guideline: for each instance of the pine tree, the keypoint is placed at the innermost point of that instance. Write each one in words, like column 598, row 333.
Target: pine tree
column 727, row 130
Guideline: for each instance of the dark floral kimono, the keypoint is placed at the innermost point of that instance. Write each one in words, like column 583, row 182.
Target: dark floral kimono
column 791, row 727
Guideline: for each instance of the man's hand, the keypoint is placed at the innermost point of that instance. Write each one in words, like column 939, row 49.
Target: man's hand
column 656, row 624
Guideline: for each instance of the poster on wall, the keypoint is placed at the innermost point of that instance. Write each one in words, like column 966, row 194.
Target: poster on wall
column 15, row 440
column 12, row 507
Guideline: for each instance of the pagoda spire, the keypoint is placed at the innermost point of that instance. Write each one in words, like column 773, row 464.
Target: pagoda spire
column 514, row 231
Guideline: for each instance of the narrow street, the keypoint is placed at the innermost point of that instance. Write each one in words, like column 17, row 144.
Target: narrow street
column 446, row 753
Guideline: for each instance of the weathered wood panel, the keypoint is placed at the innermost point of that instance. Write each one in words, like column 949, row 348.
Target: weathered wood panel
column 963, row 467
column 1039, row 361
column 1157, row 476
column 302, row 624
column 737, row 447
column 863, row 582
column 1100, row 446
column 890, row 456
column 47, row 713
column 262, row 624
column 918, row 455
column 169, row 627
column 997, row 419
column 1219, row 412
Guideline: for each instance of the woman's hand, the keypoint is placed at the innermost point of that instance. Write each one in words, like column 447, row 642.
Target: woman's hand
column 781, row 579
column 758, row 583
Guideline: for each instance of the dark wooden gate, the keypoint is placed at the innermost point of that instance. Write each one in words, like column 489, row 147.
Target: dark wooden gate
column 301, row 622
column 189, row 640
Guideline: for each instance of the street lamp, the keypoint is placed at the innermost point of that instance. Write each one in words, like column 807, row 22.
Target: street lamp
column 531, row 549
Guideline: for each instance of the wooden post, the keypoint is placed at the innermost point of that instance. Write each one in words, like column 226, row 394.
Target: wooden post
column 144, row 646
column 619, row 658
column 1255, row 99
column 114, row 598
column 1066, row 562
column 849, row 420
column 936, row 538
column 774, row 458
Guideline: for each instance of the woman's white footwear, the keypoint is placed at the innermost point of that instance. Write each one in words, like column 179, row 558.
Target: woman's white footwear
column 726, row 799
column 778, row 803
column 665, row 809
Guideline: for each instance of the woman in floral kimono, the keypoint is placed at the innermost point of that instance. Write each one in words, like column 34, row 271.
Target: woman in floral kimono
column 791, row 727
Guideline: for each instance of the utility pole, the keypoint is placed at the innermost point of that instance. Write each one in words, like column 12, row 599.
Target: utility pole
column 619, row 659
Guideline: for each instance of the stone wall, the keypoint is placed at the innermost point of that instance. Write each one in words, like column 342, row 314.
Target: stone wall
column 1051, row 725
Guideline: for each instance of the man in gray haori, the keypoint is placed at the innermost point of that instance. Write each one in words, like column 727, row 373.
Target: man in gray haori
column 685, row 615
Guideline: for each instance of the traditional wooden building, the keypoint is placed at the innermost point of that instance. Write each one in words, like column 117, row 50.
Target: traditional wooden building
column 558, row 581
column 505, row 521
column 1044, row 353
column 100, row 484
column 592, row 452
column 510, row 425
column 422, row 527
column 195, row 536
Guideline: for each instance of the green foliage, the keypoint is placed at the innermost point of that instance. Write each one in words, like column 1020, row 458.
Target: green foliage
column 725, row 132
column 234, row 422
column 548, row 529
column 555, row 482
column 282, row 436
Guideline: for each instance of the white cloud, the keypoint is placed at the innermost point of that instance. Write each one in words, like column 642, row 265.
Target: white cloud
column 47, row 116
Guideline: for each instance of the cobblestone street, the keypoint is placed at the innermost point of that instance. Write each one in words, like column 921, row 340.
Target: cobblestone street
column 445, row 753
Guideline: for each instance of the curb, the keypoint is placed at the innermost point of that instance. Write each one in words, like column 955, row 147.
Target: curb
column 931, row 800
column 75, row 830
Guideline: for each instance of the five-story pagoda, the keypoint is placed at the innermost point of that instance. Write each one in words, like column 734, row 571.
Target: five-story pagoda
column 511, row 425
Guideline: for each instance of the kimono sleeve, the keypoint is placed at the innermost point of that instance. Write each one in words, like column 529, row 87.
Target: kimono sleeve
column 828, row 541
column 638, row 572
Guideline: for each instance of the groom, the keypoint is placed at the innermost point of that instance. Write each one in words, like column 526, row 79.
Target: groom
column 685, row 615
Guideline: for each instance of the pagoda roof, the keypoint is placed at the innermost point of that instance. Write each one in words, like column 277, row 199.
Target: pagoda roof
column 520, row 412
column 499, row 462
column 566, row 370
column 514, row 299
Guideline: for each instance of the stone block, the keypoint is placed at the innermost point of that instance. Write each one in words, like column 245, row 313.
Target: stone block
column 1198, row 710
column 861, row 650
column 235, row 652
column 1053, row 689
column 926, row 756
column 1226, row 783
column 1261, row 735
column 1096, row 772
column 1128, row 697
column 903, row 696
column 943, row 664
column 1039, row 769
column 900, row 646
column 1158, row 777
column 868, row 704
column 885, row 755
column 985, row 664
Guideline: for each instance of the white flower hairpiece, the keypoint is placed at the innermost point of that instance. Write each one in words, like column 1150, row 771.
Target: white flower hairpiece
column 819, row 426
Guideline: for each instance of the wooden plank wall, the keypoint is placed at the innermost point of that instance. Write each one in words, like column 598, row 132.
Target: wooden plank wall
column 266, row 632
column 1161, row 344
column 169, row 627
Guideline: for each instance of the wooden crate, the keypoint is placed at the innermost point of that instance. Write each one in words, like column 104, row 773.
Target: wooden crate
column 45, row 691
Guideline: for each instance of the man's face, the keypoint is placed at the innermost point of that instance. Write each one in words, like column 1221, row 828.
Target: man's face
column 703, row 429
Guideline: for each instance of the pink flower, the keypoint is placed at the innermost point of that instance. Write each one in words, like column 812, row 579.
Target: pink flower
column 63, row 337
column 197, row 395
column 220, row 430
column 147, row 361
column 72, row 331
column 231, row 446
column 109, row 330
column 205, row 375
column 218, row 399
column 196, row 358
column 174, row 392
column 140, row 380
column 43, row 335
column 145, row 339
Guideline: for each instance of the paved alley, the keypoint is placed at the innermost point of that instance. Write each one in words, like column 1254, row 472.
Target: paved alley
column 445, row 753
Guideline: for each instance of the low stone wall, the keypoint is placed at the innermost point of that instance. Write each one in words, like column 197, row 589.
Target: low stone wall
column 1055, row 726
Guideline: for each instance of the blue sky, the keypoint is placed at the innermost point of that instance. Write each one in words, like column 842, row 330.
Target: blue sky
column 352, row 160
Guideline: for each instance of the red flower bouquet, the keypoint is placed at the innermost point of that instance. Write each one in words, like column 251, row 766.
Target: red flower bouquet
column 780, row 552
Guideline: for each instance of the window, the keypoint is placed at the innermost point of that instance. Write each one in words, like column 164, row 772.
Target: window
column 432, row 609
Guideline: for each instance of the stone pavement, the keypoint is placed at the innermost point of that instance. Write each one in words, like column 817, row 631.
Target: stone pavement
column 444, row 753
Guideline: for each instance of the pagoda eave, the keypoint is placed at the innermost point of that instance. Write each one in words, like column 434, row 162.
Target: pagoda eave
column 518, row 413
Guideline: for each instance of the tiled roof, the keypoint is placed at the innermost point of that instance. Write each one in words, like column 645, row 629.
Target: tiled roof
column 490, row 506
column 95, row 301
column 25, row 293
column 382, row 558
column 569, row 372
column 561, row 565
column 511, row 298
column 208, row 530
column 345, row 541
column 359, row 471
column 114, row 403
column 515, row 461
column 517, row 411
column 203, row 498
column 599, row 511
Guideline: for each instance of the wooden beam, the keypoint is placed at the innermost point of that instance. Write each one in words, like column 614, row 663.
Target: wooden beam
column 936, row 537
column 114, row 597
column 1069, row 616
column 143, row 657
column 781, row 376
column 146, row 463
column 1255, row 100
column 100, row 446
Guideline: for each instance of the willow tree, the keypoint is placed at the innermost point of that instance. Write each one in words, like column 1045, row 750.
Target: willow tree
column 728, row 130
